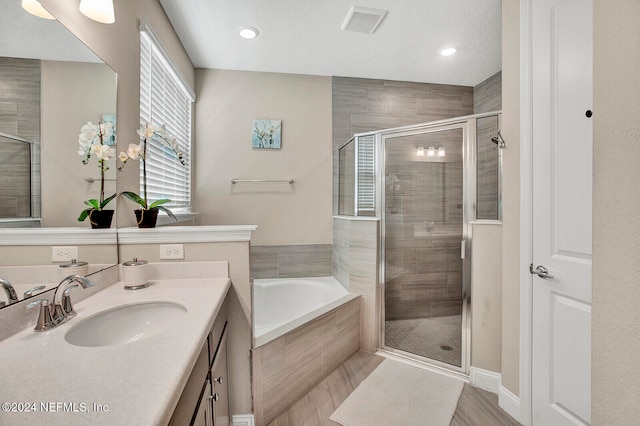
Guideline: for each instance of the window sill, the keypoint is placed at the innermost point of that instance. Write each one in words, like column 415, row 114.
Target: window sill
column 183, row 218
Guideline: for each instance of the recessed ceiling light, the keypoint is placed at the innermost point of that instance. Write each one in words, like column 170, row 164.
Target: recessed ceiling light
column 249, row 32
column 448, row 51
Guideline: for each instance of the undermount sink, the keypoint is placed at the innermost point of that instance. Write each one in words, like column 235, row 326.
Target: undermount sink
column 125, row 324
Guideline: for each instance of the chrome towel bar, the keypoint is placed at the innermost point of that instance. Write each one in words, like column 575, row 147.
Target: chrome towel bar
column 92, row 180
column 289, row 181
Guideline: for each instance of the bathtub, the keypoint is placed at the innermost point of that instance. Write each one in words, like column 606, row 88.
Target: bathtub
column 284, row 304
column 304, row 328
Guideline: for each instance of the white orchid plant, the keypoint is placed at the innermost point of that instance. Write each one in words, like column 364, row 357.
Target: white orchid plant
column 140, row 152
column 92, row 140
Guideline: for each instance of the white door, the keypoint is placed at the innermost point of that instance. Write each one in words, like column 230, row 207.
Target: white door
column 562, row 188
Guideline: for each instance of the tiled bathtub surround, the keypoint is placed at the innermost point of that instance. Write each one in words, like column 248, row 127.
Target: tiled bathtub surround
column 291, row 261
column 355, row 266
column 285, row 369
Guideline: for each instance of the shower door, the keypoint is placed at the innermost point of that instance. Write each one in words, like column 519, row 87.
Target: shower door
column 424, row 231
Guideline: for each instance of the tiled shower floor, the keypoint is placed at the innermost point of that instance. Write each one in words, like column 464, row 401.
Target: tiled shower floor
column 426, row 336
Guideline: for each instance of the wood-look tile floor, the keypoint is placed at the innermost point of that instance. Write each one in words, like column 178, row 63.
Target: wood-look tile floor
column 475, row 408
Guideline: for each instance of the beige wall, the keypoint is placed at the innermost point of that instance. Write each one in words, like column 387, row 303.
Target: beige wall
column 511, row 196
column 486, row 297
column 228, row 101
column 616, row 234
column 119, row 46
column 72, row 93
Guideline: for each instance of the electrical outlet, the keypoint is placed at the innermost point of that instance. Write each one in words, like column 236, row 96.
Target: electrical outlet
column 64, row 253
column 171, row 251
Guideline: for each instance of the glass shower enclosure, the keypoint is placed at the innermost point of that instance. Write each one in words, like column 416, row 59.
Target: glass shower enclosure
column 427, row 184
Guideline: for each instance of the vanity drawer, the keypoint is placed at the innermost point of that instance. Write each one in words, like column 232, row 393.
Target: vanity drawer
column 216, row 332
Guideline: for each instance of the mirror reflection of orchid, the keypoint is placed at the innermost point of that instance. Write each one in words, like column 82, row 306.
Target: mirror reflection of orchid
column 93, row 141
column 140, row 152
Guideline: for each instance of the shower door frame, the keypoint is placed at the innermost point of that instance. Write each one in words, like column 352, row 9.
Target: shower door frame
column 468, row 126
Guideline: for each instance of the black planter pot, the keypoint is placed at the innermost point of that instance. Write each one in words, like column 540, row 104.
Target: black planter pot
column 146, row 218
column 100, row 219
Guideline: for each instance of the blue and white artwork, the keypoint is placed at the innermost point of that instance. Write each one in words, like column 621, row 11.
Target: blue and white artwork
column 267, row 134
column 110, row 118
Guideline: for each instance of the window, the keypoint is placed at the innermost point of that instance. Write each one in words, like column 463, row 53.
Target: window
column 165, row 100
column 366, row 175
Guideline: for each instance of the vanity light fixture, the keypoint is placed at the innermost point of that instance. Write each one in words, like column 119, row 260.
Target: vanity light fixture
column 98, row 10
column 448, row 51
column 441, row 151
column 431, row 152
column 248, row 33
column 35, row 8
column 420, row 152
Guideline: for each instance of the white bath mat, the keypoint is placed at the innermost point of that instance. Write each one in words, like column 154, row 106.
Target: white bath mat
column 396, row 394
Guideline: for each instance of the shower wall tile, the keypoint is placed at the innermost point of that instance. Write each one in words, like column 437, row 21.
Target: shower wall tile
column 291, row 261
column 487, row 96
column 364, row 105
column 355, row 263
column 20, row 116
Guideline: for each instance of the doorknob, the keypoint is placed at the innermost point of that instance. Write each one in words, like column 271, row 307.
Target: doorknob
column 540, row 271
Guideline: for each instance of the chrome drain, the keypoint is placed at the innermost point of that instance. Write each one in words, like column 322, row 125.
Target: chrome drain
column 446, row 348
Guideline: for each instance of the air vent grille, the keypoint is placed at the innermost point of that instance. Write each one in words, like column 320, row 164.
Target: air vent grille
column 363, row 19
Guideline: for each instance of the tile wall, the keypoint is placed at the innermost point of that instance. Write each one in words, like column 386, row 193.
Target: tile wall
column 355, row 266
column 291, row 261
column 423, row 228
column 19, row 116
column 364, row 105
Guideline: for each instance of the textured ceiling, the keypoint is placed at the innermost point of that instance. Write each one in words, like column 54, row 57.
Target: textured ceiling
column 304, row 37
column 25, row 36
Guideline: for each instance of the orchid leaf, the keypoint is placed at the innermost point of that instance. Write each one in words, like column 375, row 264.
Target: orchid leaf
column 84, row 214
column 92, row 203
column 159, row 202
column 135, row 197
column 106, row 201
column 167, row 211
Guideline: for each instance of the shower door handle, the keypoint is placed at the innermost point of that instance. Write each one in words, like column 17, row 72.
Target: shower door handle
column 540, row 271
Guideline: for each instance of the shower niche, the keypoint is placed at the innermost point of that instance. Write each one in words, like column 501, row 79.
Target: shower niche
column 426, row 183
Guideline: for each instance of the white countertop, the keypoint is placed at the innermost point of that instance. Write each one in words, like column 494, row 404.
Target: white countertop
column 140, row 382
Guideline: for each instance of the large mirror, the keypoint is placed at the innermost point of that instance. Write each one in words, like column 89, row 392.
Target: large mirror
column 51, row 84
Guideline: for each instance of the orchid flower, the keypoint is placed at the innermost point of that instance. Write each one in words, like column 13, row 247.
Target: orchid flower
column 147, row 133
column 91, row 141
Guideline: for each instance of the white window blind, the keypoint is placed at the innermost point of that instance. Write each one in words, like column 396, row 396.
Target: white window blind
column 165, row 100
column 366, row 175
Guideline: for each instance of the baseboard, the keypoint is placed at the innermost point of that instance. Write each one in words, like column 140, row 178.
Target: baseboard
column 509, row 403
column 242, row 420
column 485, row 379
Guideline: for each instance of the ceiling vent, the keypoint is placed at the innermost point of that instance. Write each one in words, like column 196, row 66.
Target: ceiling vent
column 363, row 19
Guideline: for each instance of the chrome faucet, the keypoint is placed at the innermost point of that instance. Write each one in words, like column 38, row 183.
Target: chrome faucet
column 53, row 313
column 63, row 310
column 11, row 292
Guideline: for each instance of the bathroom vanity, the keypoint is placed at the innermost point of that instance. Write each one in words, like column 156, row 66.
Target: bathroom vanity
column 93, row 370
column 205, row 398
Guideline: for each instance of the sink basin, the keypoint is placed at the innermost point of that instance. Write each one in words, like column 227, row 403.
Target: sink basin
column 125, row 324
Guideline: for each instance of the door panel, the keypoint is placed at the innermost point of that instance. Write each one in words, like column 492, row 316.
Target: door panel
column 562, row 188
column 424, row 218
